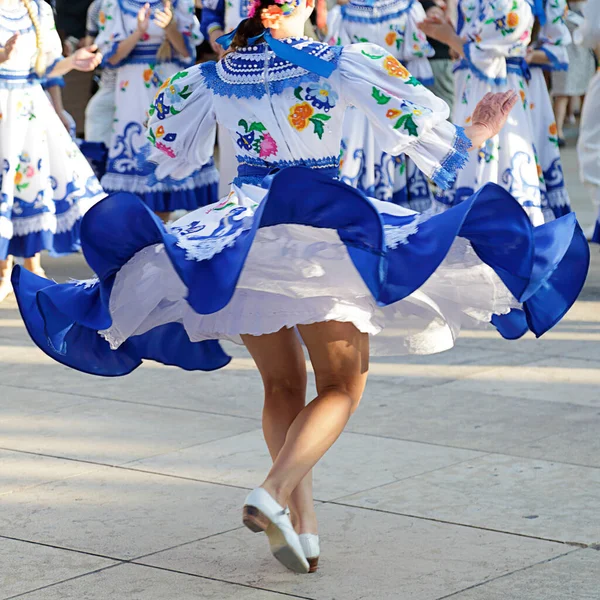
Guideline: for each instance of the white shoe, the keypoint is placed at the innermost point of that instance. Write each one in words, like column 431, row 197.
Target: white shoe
column 312, row 549
column 263, row 513
column 6, row 288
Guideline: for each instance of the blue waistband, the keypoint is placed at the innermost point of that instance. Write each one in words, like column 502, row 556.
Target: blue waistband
column 262, row 175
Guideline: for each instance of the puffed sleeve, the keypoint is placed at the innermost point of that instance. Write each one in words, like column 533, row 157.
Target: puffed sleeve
column 189, row 26
column 213, row 17
column 182, row 124
column 588, row 34
column 52, row 44
column 406, row 116
column 555, row 36
column 502, row 31
column 111, row 30
column 416, row 49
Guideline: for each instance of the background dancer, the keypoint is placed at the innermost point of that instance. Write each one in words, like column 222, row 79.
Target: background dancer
column 46, row 184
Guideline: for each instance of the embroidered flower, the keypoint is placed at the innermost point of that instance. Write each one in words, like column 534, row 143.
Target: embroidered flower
column 160, row 131
column 165, row 84
column 392, row 113
column 165, row 149
column 29, row 172
column 162, row 109
column 245, row 141
column 395, row 68
column 300, row 115
column 321, row 96
column 512, row 19
column 102, row 17
column 148, row 75
column 268, row 146
column 390, row 38
column 18, row 177
column 553, row 129
column 124, row 85
column 500, row 23
column 540, row 171
column 24, row 157
column 523, row 97
column 172, row 93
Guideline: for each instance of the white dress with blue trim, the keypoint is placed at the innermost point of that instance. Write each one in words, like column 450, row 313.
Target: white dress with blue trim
column 553, row 40
column 46, row 185
column 498, row 34
column 291, row 244
column 140, row 76
column 391, row 24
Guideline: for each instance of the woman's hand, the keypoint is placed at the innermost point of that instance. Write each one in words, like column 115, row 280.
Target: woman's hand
column 164, row 18
column 442, row 30
column 9, row 48
column 489, row 116
column 86, row 59
column 143, row 19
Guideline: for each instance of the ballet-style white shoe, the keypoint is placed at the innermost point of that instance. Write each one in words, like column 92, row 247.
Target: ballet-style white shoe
column 312, row 550
column 263, row 513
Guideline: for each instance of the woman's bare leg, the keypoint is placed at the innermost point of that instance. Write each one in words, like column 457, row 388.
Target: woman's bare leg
column 280, row 361
column 34, row 264
column 561, row 104
column 5, row 271
column 339, row 354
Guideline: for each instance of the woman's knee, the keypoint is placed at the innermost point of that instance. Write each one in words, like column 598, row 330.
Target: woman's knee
column 288, row 387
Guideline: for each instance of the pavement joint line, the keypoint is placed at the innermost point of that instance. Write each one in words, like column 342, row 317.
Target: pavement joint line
column 91, row 398
column 50, row 585
column 469, row 526
column 482, row 583
column 245, row 585
column 485, row 452
column 397, row 480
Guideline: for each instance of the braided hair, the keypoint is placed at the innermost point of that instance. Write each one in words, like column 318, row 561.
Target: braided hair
column 40, row 59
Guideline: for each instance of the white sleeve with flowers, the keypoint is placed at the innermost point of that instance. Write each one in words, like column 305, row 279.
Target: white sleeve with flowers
column 182, row 125
column 406, row 116
column 189, row 26
column 554, row 35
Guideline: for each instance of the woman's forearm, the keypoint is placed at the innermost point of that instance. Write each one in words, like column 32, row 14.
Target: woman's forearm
column 175, row 37
column 62, row 67
column 125, row 48
column 538, row 57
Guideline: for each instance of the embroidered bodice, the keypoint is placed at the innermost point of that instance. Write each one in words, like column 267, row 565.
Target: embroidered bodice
column 279, row 114
column 118, row 19
column 18, row 71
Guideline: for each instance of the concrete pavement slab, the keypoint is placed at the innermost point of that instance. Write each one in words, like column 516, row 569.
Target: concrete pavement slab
column 549, row 379
column 120, row 513
column 475, row 420
column 356, row 462
column 19, row 470
column 134, row 582
column 17, row 402
column 114, row 432
column 28, row 566
column 575, row 576
column 530, row 497
column 367, row 555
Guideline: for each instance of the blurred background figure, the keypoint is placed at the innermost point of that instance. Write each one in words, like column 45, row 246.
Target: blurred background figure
column 393, row 25
column 588, row 147
column 548, row 53
column 570, row 85
column 147, row 43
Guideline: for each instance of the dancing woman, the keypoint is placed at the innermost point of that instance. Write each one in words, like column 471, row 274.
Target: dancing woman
column 293, row 254
column 492, row 39
column 391, row 24
column 146, row 43
column 588, row 145
column 46, row 185
column 548, row 52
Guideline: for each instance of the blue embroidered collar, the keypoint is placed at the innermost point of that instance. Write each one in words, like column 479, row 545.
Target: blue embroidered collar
column 242, row 73
column 374, row 11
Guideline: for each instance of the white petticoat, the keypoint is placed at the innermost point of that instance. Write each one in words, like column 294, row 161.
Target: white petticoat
column 297, row 274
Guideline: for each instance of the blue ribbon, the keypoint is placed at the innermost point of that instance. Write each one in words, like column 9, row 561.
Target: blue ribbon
column 519, row 64
column 287, row 52
column 539, row 11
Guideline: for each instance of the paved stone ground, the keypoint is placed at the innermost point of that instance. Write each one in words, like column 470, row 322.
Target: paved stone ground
column 471, row 475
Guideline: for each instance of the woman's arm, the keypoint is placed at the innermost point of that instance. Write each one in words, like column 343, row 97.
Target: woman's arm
column 6, row 52
column 443, row 31
column 537, row 57
column 84, row 59
column 165, row 20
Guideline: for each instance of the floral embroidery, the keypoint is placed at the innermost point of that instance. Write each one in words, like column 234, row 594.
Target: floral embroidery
column 553, row 131
column 103, row 17
column 506, row 24
column 372, row 56
column 395, row 68
column 257, row 138
column 322, row 97
column 486, row 152
column 522, row 94
column 158, row 137
column 124, row 85
column 391, row 38
column 151, row 78
column 404, row 113
column 170, row 96
column 23, row 171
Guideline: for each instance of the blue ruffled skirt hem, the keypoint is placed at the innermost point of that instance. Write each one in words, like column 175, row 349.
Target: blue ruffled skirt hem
column 395, row 254
column 57, row 244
